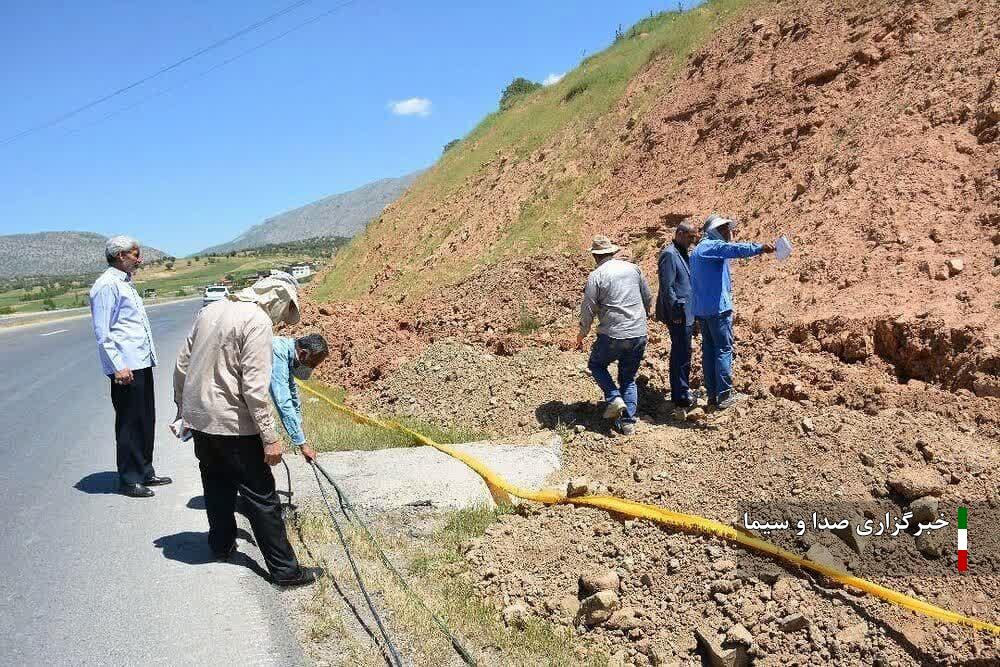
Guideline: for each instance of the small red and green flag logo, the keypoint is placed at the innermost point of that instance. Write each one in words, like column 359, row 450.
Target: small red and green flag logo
column 963, row 539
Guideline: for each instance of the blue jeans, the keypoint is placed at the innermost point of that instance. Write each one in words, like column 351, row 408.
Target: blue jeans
column 628, row 352
column 680, row 363
column 717, row 355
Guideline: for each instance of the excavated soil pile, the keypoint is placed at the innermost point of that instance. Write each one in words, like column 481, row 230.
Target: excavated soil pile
column 868, row 133
column 787, row 457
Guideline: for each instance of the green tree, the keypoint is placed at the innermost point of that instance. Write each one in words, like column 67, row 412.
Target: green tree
column 451, row 144
column 170, row 266
column 48, row 304
column 517, row 89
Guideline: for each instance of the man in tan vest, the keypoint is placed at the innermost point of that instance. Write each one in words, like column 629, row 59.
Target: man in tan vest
column 221, row 388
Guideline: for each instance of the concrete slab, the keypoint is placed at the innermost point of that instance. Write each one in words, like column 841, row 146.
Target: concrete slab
column 392, row 479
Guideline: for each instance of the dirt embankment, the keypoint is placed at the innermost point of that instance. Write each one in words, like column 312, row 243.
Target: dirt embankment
column 866, row 131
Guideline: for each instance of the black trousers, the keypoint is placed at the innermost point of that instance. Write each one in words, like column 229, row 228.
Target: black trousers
column 135, row 422
column 235, row 463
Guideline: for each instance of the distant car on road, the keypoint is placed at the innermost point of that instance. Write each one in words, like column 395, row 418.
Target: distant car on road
column 214, row 293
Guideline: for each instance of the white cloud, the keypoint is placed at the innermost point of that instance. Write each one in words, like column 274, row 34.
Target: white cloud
column 415, row 106
column 553, row 79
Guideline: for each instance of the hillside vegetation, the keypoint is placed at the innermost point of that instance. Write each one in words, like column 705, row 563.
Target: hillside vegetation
column 434, row 217
column 868, row 132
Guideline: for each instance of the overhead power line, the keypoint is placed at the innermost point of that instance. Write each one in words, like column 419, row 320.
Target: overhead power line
column 211, row 69
column 214, row 45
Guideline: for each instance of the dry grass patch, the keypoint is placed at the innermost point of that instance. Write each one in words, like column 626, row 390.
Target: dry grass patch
column 330, row 431
column 438, row 574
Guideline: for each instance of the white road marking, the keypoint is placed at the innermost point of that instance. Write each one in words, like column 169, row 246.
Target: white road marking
column 52, row 333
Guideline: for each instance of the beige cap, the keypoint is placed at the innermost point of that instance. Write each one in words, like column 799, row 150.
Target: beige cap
column 602, row 245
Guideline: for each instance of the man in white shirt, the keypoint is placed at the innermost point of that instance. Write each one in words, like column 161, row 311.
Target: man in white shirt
column 618, row 295
column 125, row 348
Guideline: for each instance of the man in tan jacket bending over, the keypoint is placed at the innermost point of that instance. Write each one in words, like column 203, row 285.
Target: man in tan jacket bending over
column 221, row 388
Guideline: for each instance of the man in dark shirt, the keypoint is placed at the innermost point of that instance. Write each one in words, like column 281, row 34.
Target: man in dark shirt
column 673, row 308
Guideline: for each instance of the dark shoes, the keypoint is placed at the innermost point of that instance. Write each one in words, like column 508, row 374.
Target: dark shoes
column 306, row 575
column 142, row 490
column 136, row 490
column 224, row 556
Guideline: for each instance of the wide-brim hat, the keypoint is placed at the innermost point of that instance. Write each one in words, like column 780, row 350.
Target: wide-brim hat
column 602, row 245
column 715, row 221
column 278, row 295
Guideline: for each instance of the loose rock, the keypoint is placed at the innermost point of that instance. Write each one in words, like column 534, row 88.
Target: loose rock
column 598, row 608
column 595, row 582
column 515, row 615
column 925, row 509
column 578, row 486
column 912, row 483
column 716, row 655
column 792, row 623
column 817, row 553
column 738, row 634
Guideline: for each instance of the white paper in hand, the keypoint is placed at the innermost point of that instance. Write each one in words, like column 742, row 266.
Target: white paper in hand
column 178, row 429
column 782, row 248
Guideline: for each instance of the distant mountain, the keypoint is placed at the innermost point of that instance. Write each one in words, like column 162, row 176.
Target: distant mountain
column 344, row 215
column 57, row 254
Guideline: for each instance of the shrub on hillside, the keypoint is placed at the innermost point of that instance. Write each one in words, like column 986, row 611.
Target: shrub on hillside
column 451, row 144
column 575, row 90
column 6, row 310
column 517, row 89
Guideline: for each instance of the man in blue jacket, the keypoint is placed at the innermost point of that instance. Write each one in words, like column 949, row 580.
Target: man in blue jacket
column 294, row 358
column 712, row 297
column 673, row 308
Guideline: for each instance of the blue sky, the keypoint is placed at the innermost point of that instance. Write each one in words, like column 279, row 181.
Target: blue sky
column 307, row 116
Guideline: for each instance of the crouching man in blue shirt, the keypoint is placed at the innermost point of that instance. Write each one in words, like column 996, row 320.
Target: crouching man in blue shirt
column 712, row 297
column 294, row 358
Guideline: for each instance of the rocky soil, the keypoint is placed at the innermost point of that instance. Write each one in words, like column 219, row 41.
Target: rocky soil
column 866, row 131
column 785, row 457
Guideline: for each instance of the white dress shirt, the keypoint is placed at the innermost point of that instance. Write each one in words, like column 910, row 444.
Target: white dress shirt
column 124, row 338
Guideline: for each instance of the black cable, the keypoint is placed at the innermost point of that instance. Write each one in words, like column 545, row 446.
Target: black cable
column 288, row 511
column 200, row 75
column 345, row 504
column 159, row 72
column 390, row 647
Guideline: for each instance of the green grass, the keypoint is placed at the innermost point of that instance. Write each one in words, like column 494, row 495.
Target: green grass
column 580, row 102
column 528, row 322
column 329, row 431
column 437, row 571
column 188, row 277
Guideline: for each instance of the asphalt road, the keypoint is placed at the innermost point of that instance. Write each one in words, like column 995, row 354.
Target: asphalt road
column 91, row 577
